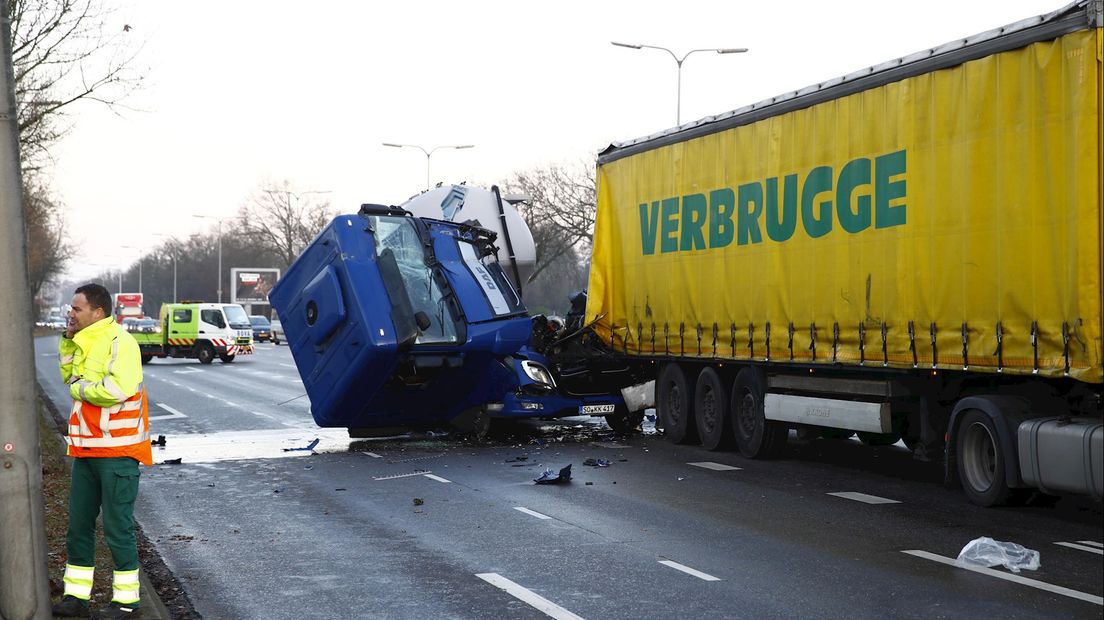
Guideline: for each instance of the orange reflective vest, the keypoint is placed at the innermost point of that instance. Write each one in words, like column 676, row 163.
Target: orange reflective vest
column 110, row 415
column 119, row 430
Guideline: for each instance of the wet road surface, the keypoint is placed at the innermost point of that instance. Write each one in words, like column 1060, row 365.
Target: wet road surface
column 254, row 526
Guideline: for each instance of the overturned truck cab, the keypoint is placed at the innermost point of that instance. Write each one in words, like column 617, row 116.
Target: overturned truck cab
column 400, row 322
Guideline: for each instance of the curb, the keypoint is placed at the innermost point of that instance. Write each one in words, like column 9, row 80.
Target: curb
column 153, row 608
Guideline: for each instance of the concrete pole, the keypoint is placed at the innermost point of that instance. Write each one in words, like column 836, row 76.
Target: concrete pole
column 24, row 583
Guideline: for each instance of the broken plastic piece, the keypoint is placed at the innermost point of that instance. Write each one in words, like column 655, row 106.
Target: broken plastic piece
column 160, row 441
column 309, row 447
column 551, row 477
column 987, row 552
column 596, row 463
column 418, row 501
column 171, row 462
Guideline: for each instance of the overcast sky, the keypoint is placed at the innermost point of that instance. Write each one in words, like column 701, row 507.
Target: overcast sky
column 239, row 93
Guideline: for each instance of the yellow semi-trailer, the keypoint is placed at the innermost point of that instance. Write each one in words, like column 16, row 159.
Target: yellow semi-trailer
column 912, row 251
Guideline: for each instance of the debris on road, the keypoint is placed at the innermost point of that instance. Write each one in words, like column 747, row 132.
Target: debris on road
column 171, row 462
column 551, row 477
column 160, row 441
column 987, row 552
column 596, row 463
column 521, row 457
column 418, row 501
column 308, row 448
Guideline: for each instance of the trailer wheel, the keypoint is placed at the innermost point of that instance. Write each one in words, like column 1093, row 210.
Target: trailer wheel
column 980, row 460
column 756, row 436
column 674, row 400
column 205, row 353
column 711, row 410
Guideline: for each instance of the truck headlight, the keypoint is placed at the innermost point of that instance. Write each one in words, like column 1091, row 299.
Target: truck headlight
column 537, row 373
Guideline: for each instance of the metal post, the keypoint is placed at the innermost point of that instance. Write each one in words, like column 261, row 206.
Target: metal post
column 220, row 261
column 24, row 589
column 174, row 275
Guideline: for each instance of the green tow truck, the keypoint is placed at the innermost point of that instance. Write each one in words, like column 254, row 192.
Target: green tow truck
column 197, row 330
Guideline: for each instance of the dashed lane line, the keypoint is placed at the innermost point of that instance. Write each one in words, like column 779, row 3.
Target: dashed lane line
column 437, row 478
column 1081, row 547
column 532, row 513
column 864, row 498
column 173, row 413
column 1092, row 543
column 528, row 597
column 1034, row 583
column 290, row 366
column 714, row 466
column 373, row 455
column 187, row 371
column 689, row 571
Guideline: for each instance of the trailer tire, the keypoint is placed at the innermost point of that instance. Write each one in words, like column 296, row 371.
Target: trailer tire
column 146, row 359
column 711, row 410
column 205, row 353
column 756, row 436
column 674, row 402
column 981, row 460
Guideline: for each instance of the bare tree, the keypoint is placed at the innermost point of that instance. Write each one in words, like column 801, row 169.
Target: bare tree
column 283, row 221
column 47, row 246
column 64, row 52
column 560, row 210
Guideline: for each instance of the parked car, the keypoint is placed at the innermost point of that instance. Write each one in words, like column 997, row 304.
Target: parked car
column 262, row 329
column 145, row 325
column 277, row 330
column 57, row 322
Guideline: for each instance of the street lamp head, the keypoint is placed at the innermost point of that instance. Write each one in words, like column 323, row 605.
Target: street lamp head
column 628, row 45
column 732, row 50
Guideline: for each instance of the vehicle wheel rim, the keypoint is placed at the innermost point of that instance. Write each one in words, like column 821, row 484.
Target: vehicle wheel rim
column 979, row 457
column 674, row 405
column 746, row 418
column 708, row 411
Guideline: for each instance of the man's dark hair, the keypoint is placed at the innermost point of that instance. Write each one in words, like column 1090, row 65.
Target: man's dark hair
column 97, row 297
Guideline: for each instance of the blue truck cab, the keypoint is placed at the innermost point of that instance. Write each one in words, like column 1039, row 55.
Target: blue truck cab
column 397, row 321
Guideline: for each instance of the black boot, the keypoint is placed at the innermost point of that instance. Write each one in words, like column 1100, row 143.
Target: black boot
column 71, row 607
column 117, row 610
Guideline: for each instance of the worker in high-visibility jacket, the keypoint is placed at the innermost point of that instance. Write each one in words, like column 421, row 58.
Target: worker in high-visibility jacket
column 108, row 436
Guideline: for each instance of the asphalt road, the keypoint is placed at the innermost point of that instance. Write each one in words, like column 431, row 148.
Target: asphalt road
column 436, row 527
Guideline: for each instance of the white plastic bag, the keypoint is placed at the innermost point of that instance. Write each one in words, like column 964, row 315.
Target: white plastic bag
column 987, row 552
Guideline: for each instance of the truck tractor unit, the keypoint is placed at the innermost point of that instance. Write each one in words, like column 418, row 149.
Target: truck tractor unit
column 128, row 305
column 396, row 320
column 198, row 330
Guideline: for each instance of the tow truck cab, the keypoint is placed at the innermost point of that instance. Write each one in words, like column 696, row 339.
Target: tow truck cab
column 397, row 321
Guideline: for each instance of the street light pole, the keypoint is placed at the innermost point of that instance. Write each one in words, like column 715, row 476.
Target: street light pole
column 678, row 62
column 211, row 217
column 429, row 153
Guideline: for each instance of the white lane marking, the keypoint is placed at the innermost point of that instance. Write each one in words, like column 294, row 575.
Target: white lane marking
column 173, row 413
column 714, row 466
column 532, row 513
column 187, row 371
column 1092, row 598
column 417, row 473
column 864, row 498
column 1081, row 547
column 373, row 455
column 609, row 444
column 529, row 597
column 437, row 478
column 689, row 571
column 263, row 415
column 290, row 366
column 1091, row 543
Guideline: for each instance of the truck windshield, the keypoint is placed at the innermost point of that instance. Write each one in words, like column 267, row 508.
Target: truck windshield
column 236, row 316
column 397, row 236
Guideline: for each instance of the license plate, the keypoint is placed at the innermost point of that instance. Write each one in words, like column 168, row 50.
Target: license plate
column 593, row 409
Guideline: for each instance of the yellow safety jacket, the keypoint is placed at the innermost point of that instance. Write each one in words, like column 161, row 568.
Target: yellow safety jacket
column 110, row 416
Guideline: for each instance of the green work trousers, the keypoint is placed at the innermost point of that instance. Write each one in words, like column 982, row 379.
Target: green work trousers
column 110, row 484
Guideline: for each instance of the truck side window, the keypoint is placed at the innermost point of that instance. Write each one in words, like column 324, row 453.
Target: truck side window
column 182, row 315
column 213, row 317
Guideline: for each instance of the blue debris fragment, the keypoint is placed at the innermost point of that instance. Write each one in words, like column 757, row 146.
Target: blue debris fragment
column 551, row 477
column 309, row 447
